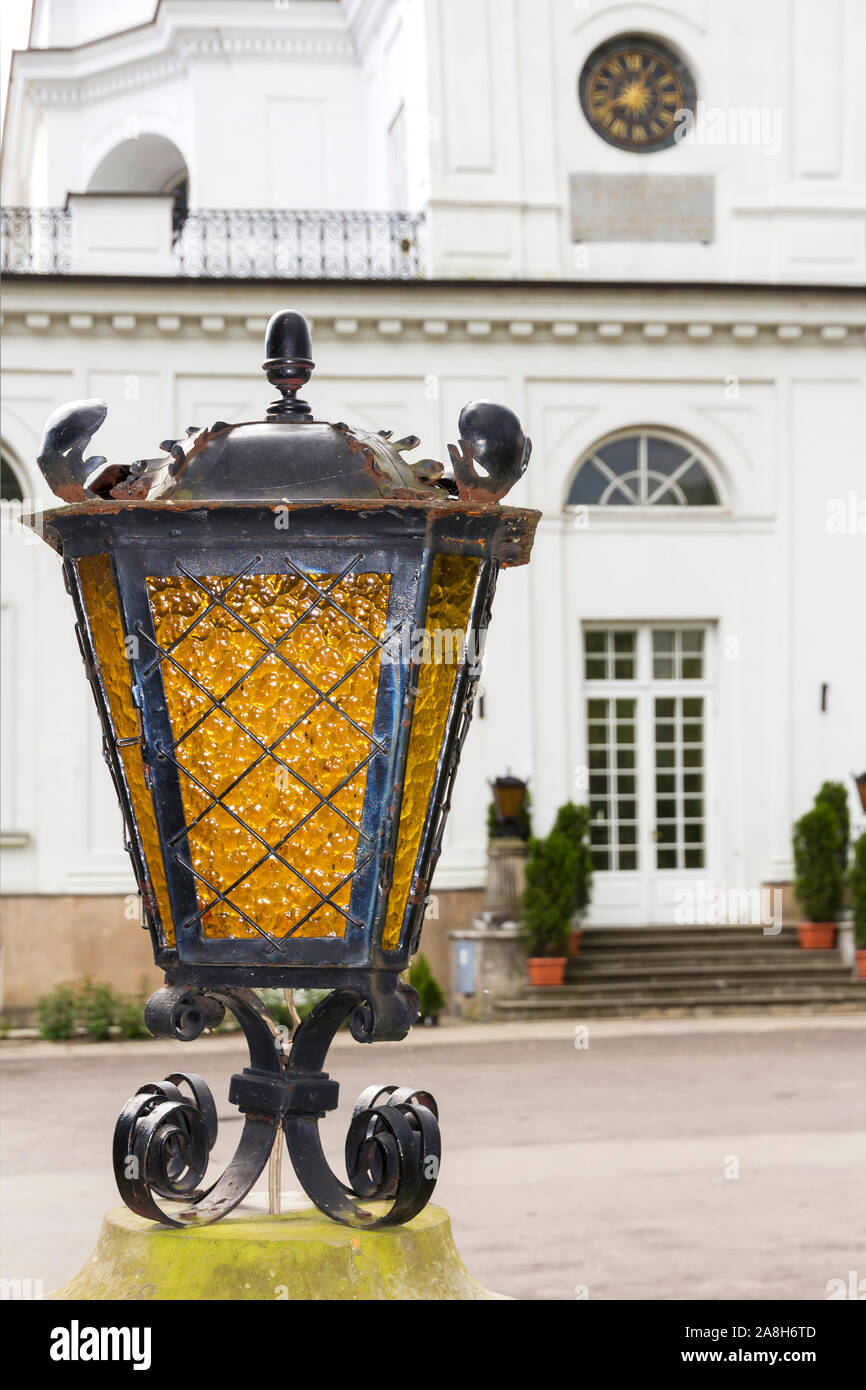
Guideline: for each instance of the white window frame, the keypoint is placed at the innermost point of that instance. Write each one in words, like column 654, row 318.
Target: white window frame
column 643, row 504
column 645, row 688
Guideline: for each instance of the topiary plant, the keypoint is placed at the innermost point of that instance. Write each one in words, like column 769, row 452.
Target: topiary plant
column 549, row 895
column 818, row 873
column 574, row 821
column 834, row 795
column 857, row 880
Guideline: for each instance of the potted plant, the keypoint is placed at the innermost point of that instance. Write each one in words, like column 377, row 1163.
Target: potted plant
column 430, row 996
column 548, row 906
column 834, row 795
column 857, row 881
column 574, row 821
column 818, row 876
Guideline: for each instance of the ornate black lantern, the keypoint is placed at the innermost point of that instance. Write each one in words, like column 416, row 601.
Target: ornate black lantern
column 282, row 624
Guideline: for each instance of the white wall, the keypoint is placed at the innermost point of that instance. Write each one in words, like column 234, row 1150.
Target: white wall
column 290, row 106
column 765, row 571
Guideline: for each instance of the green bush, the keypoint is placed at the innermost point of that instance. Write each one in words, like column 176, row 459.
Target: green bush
column 424, row 982
column 130, row 1015
column 549, row 895
column 818, row 873
column 57, row 1013
column 91, row 1007
column 98, row 1007
column 857, row 880
column 574, row 821
column 834, row 795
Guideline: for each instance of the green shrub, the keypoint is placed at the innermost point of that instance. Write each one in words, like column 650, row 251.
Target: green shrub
column 549, row 895
column 834, row 795
column 574, row 821
column 424, row 982
column 857, row 880
column 57, row 1013
column 98, row 1007
column 818, row 873
column 130, row 1015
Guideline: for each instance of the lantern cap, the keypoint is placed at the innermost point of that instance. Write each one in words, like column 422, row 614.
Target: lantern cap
column 289, row 456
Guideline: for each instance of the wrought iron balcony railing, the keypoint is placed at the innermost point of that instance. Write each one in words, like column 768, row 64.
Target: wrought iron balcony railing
column 243, row 244
column 36, row 241
column 286, row 244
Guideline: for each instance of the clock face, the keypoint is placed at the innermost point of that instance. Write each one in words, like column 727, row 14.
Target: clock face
column 631, row 91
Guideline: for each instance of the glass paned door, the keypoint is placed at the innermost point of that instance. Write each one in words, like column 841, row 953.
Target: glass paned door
column 612, row 733
column 680, row 821
column 647, row 702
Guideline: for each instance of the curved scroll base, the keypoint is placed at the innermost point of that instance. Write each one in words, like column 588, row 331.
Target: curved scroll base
column 165, row 1133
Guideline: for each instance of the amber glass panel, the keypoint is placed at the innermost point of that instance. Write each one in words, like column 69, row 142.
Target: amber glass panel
column 451, row 590
column 272, row 700
column 100, row 599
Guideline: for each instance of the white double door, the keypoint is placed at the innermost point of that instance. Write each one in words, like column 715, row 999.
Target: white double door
column 648, row 714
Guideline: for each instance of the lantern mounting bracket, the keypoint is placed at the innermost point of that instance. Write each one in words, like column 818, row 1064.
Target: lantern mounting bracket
column 164, row 1137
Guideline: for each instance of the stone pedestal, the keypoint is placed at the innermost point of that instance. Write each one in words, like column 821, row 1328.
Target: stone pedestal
column 506, row 863
column 300, row 1255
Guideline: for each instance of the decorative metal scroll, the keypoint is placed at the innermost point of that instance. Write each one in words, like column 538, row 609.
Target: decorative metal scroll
column 36, row 241
column 164, row 1136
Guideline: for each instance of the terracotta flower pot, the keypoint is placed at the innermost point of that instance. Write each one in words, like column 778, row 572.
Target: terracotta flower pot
column 546, row 970
column 860, row 958
column 817, row 936
column 574, row 941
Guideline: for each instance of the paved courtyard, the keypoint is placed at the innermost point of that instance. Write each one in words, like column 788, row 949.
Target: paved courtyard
column 698, row 1159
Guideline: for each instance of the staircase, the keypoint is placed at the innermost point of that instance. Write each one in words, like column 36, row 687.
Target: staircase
column 676, row 971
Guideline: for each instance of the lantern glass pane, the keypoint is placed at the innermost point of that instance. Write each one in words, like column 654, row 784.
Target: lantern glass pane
column 451, row 589
column 103, row 611
column 271, row 684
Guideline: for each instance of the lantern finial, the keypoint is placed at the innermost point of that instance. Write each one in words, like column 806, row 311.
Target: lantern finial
column 288, row 363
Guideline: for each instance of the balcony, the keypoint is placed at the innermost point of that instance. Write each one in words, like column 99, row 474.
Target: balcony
column 130, row 234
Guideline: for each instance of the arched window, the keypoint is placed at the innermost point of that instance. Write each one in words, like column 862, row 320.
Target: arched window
column 643, row 469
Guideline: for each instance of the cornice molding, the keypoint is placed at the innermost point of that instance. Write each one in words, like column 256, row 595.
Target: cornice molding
column 183, row 47
column 358, row 321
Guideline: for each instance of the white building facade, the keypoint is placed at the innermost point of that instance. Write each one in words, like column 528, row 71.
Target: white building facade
column 476, row 198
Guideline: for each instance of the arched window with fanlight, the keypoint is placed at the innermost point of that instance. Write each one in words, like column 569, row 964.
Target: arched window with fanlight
column 644, row 468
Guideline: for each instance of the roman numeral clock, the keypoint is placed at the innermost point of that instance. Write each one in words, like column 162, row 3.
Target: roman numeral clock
column 631, row 90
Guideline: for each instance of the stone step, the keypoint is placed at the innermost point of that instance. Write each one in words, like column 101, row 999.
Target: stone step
column 687, row 938
column 627, row 989
column 716, row 960
column 850, row 999
column 579, row 972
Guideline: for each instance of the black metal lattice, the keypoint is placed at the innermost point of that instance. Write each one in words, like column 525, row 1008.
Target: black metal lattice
column 217, row 599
